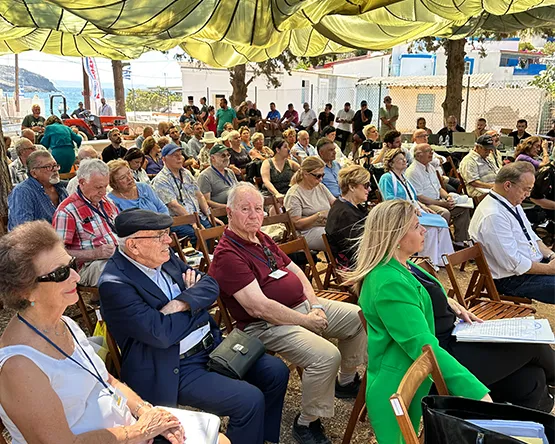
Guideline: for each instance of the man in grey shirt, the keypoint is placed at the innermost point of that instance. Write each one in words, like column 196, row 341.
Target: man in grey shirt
column 216, row 181
column 195, row 145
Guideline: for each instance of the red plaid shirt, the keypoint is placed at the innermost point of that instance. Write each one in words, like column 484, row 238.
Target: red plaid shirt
column 80, row 227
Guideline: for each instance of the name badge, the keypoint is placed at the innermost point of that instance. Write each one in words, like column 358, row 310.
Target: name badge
column 119, row 401
column 278, row 274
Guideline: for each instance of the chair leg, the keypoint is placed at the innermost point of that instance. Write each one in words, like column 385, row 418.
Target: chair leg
column 359, row 406
column 85, row 315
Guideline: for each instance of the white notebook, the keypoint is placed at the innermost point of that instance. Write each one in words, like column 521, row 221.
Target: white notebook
column 527, row 330
column 200, row 427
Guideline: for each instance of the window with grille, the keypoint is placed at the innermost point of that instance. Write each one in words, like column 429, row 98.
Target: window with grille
column 425, row 103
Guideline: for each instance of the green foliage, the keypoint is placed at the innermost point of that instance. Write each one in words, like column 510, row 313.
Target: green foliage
column 546, row 80
column 526, row 46
column 549, row 48
column 155, row 99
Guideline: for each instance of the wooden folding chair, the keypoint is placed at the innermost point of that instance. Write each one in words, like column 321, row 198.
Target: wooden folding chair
column 418, row 372
column 113, row 360
column 217, row 213
column 299, row 245
column 331, row 278
column 189, row 219
column 440, row 178
column 272, row 202
column 481, row 296
column 285, row 219
column 359, row 408
column 84, row 312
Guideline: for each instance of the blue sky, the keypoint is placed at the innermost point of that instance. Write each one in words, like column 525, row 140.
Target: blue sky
column 148, row 70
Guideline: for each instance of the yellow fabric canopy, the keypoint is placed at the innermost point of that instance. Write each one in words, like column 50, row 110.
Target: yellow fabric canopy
column 225, row 33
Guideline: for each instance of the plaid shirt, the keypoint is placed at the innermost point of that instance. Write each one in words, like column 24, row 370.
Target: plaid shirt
column 80, row 227
column 18, row 171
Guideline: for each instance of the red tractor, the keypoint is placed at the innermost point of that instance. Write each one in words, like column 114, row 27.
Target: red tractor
column 95, row 127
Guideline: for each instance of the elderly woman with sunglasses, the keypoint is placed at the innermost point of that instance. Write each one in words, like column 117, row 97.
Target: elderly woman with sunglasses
column 53, row 387
column 346, row 217
column 308, row 201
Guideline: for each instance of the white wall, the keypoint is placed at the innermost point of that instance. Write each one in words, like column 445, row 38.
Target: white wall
column 377, row 66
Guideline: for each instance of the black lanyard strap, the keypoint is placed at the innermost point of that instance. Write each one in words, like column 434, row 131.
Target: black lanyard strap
column 47, row 339
column 179, row 185
column 517, row 216
column 101, row 212
column 223, row 177
column 271, row 264
column 405, row 186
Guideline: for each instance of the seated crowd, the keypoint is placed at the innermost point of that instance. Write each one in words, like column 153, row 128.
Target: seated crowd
column 378, row 204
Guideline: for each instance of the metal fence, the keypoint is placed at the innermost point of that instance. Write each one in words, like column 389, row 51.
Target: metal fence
column 500, row 103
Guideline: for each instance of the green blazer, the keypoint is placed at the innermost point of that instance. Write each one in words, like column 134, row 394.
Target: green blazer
column 399, row 313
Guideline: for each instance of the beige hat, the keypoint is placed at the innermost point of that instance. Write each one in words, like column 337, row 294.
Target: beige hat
column 224, row 136
column 209, row 137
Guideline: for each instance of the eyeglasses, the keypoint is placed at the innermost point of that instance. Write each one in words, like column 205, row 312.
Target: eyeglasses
column 271, row 259
column 317, row 176
column 225, row 155
column 60, row 274
column 54, row 167
column 366, row 185
column 158, row 236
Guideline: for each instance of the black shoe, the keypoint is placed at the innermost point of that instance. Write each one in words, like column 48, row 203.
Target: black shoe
column 313, row 434
column 349, row 391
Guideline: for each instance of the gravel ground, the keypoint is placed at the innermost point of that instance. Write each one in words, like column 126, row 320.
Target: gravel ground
column 335, row 426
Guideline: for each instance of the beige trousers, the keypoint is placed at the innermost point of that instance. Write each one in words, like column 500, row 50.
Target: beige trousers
column 90, row 272
column 319, row 358
column 461, row 220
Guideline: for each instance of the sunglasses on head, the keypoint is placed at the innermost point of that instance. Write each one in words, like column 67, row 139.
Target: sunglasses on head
column 317, row 176
column 60, row 274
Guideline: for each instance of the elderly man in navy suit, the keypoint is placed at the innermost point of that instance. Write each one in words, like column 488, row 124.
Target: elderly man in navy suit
column 156, row 306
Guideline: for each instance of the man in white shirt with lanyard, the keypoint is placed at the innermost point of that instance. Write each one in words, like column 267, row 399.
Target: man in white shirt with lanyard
column 520, row 263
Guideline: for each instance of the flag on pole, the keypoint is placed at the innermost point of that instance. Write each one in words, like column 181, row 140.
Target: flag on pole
column 94, row 79
column 127, row 72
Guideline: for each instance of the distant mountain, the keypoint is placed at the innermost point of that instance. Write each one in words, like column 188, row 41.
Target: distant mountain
column 29, row 81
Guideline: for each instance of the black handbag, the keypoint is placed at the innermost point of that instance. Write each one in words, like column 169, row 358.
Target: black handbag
column 236, row 354
column 445, row 420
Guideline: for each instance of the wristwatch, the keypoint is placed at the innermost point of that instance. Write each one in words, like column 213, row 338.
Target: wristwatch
column 319, row 306
column 551, row 256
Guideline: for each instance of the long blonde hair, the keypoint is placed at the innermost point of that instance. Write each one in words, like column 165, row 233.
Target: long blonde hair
column 309, row 164
column 385, row 226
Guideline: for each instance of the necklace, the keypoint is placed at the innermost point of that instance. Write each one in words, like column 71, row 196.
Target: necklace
column 49, row 331
column 126, row 196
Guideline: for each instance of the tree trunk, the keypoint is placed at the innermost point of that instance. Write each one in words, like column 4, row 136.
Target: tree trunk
column 5, row 182
column 237, row 76
column 119, row 89
column 454, row 49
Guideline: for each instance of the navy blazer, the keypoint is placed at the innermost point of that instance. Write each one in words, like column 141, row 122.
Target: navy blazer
column 130, row 303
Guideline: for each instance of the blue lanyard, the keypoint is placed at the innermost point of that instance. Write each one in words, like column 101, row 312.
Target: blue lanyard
column 516, row 216
column 96, row 376
column 225, row 179
column 266, row 261
column 102, row 212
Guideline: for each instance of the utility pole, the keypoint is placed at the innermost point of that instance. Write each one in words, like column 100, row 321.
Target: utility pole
column 16, row 95
column 117, row 69
column 86, row 86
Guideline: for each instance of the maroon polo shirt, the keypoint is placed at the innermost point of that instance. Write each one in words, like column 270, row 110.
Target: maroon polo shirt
column 234, row 268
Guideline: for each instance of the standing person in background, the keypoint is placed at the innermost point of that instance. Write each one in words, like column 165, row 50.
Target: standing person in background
column 388, row 116
column 326, row 118
column 210, row 122
column 105, row 109
column 421, row 124
column 480, row 129
column 194, row 108
column 344, row 121
column 361, row 118
column 520, row 133
column 147, row 132
column 307, row 120
column 59, row 138
column 203, row 110
column 224, row 115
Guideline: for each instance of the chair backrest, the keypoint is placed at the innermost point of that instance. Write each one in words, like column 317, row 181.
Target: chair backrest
column 217, row 212
column 298, row 245
column 206, row 244
column 417, row 373
column 271, row 201
column 115, row 355
column 190, row 219
column 440, row 178
column 331, row 269
column 282, row 218
column 481, row 282
column 453, row 168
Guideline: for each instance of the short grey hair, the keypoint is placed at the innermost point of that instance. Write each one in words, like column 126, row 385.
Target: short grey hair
column 85, row 153
column 512, row 172
column 89, row 167
column 33, row 159
column 22, row 144
column 237, row 189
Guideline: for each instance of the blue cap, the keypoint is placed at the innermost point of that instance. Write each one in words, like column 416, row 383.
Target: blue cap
column 170, row 148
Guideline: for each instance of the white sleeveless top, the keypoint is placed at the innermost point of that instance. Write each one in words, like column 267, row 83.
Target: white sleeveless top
column 87, row 403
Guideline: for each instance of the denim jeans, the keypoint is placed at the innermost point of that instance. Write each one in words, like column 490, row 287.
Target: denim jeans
column 534, row 286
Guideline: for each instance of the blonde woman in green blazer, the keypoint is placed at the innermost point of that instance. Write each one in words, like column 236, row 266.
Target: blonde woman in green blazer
column 400, row 317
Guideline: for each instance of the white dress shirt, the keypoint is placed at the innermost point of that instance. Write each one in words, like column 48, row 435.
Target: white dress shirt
column 507, row 251
column 424, row 179
column 345, row 115
column 307, row 117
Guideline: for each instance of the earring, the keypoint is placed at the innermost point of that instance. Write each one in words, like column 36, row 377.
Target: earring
column 398, row 246
column 32, row 303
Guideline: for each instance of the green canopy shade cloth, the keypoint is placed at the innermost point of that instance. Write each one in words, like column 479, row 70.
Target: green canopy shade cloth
column 225, row 33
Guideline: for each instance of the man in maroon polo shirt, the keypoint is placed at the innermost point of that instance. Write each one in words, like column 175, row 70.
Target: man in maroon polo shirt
column 271, row 298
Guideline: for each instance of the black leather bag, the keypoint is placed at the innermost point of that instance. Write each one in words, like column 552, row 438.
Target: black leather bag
column 236, row 354
column 445, row 420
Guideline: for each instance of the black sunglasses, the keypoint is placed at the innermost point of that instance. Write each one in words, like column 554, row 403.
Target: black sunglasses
column 317, row 176
column 60, row 274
